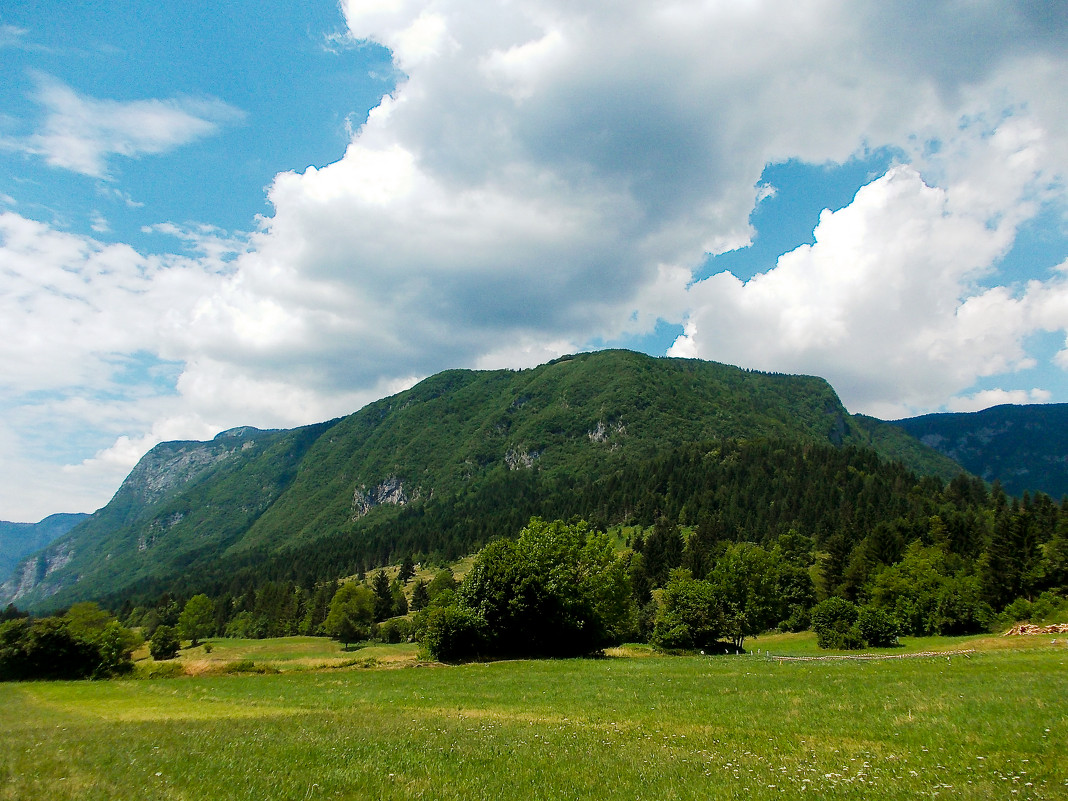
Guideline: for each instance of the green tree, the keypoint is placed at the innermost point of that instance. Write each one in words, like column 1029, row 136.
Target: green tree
column 443, row 580
column 746, row 579
column 164, row 643
column 420, row 595
column 663, row 550
column 835, row 622
column 115, row 645
column 351, row 614
column 380, row 586
column 399, row 600
column 318, row 607
column 559, row 590
column 689, row 614
column 87, row 620
column 197, row 619
column 878, row 628
column 407, row 569
column 12, row 612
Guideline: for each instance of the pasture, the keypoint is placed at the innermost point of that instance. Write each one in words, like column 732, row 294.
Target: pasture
column 633, row 725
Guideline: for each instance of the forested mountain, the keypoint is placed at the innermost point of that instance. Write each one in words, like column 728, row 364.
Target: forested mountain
column 444, row 467
column 19, row 540
column 1023, row 447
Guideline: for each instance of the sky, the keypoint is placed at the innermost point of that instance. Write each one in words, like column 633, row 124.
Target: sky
column 215, row 215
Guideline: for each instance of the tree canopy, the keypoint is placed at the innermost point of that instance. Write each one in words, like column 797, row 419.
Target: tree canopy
column 558, row 590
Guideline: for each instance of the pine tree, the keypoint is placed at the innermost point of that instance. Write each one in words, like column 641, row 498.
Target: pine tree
column 407, row 570
column 420, row 596
column 383, row 596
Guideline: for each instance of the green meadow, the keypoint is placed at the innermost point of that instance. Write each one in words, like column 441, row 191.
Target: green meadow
column 992, row 723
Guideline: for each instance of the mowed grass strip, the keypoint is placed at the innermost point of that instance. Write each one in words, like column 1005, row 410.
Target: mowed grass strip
column 991, row 726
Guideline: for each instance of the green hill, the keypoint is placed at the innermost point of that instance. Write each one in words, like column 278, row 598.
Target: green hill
column 443, row 466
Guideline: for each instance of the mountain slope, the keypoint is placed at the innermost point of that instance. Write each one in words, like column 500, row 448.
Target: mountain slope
column 452, row 448
column 1023, row 447
column 573, row 416
column 178, row 508
column 19, row 540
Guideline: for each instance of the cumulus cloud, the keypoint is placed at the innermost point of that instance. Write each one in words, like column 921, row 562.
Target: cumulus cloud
column 648, row 126
column 81, row 133
column 549, row 175
column 885, row 304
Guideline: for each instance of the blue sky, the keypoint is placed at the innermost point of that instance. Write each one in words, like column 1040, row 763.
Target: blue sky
column 218, row 215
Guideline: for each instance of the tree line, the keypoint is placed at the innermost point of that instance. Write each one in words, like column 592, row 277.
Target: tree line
column 713, row 543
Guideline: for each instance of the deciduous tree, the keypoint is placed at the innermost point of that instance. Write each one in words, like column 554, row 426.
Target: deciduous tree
column 197, row 619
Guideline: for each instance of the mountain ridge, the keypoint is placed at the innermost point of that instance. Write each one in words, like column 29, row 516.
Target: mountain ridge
column 451, row 442
column 19, row 540
column 1025, row 447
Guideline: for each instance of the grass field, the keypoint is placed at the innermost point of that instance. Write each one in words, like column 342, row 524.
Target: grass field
column 993, row 724
column 280, row 654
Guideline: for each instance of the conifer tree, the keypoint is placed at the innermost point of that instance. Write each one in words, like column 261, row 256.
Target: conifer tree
column 383, row 596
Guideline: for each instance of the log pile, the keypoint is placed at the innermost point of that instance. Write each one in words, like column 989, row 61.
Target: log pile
column 1027, row 628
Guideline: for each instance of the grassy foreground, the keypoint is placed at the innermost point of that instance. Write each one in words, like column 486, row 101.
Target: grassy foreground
column 991, row 725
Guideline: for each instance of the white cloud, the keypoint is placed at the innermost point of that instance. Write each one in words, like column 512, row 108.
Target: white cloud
column 884, row 305
column 995, row 397
column 81, row 133
column 550, row 175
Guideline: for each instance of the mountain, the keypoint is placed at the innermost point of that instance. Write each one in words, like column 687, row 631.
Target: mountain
column 443, row 467
column 19, row 540
column 1023, row 447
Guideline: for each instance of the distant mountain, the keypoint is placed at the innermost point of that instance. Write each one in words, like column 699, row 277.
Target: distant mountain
column 1023, row 447
column 442, row 467
column 19, row 540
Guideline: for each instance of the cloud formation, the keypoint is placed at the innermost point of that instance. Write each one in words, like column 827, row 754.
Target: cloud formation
column 885, row 304
column 82, row 133
column 551, row 175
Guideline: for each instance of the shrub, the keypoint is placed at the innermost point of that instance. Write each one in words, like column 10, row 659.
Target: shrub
column 878, row 628
column 799, row 619
column 247, row 666
column 455, row 633
column 159, row 670
column 835, row 622
column 395, row 630
column 960, row 608
column 164, row 643
column 689, row 615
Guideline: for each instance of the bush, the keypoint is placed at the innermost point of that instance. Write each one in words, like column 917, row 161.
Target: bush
column 878, row 628
column 799, row 619
column 247, row 666
column 159, row 670
column 455, row 633
column 86, row 642
column 115, row 646
column 164, row 643
column 395, row 630
column 689, row 615
column 960, row 609
column 835, row 622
